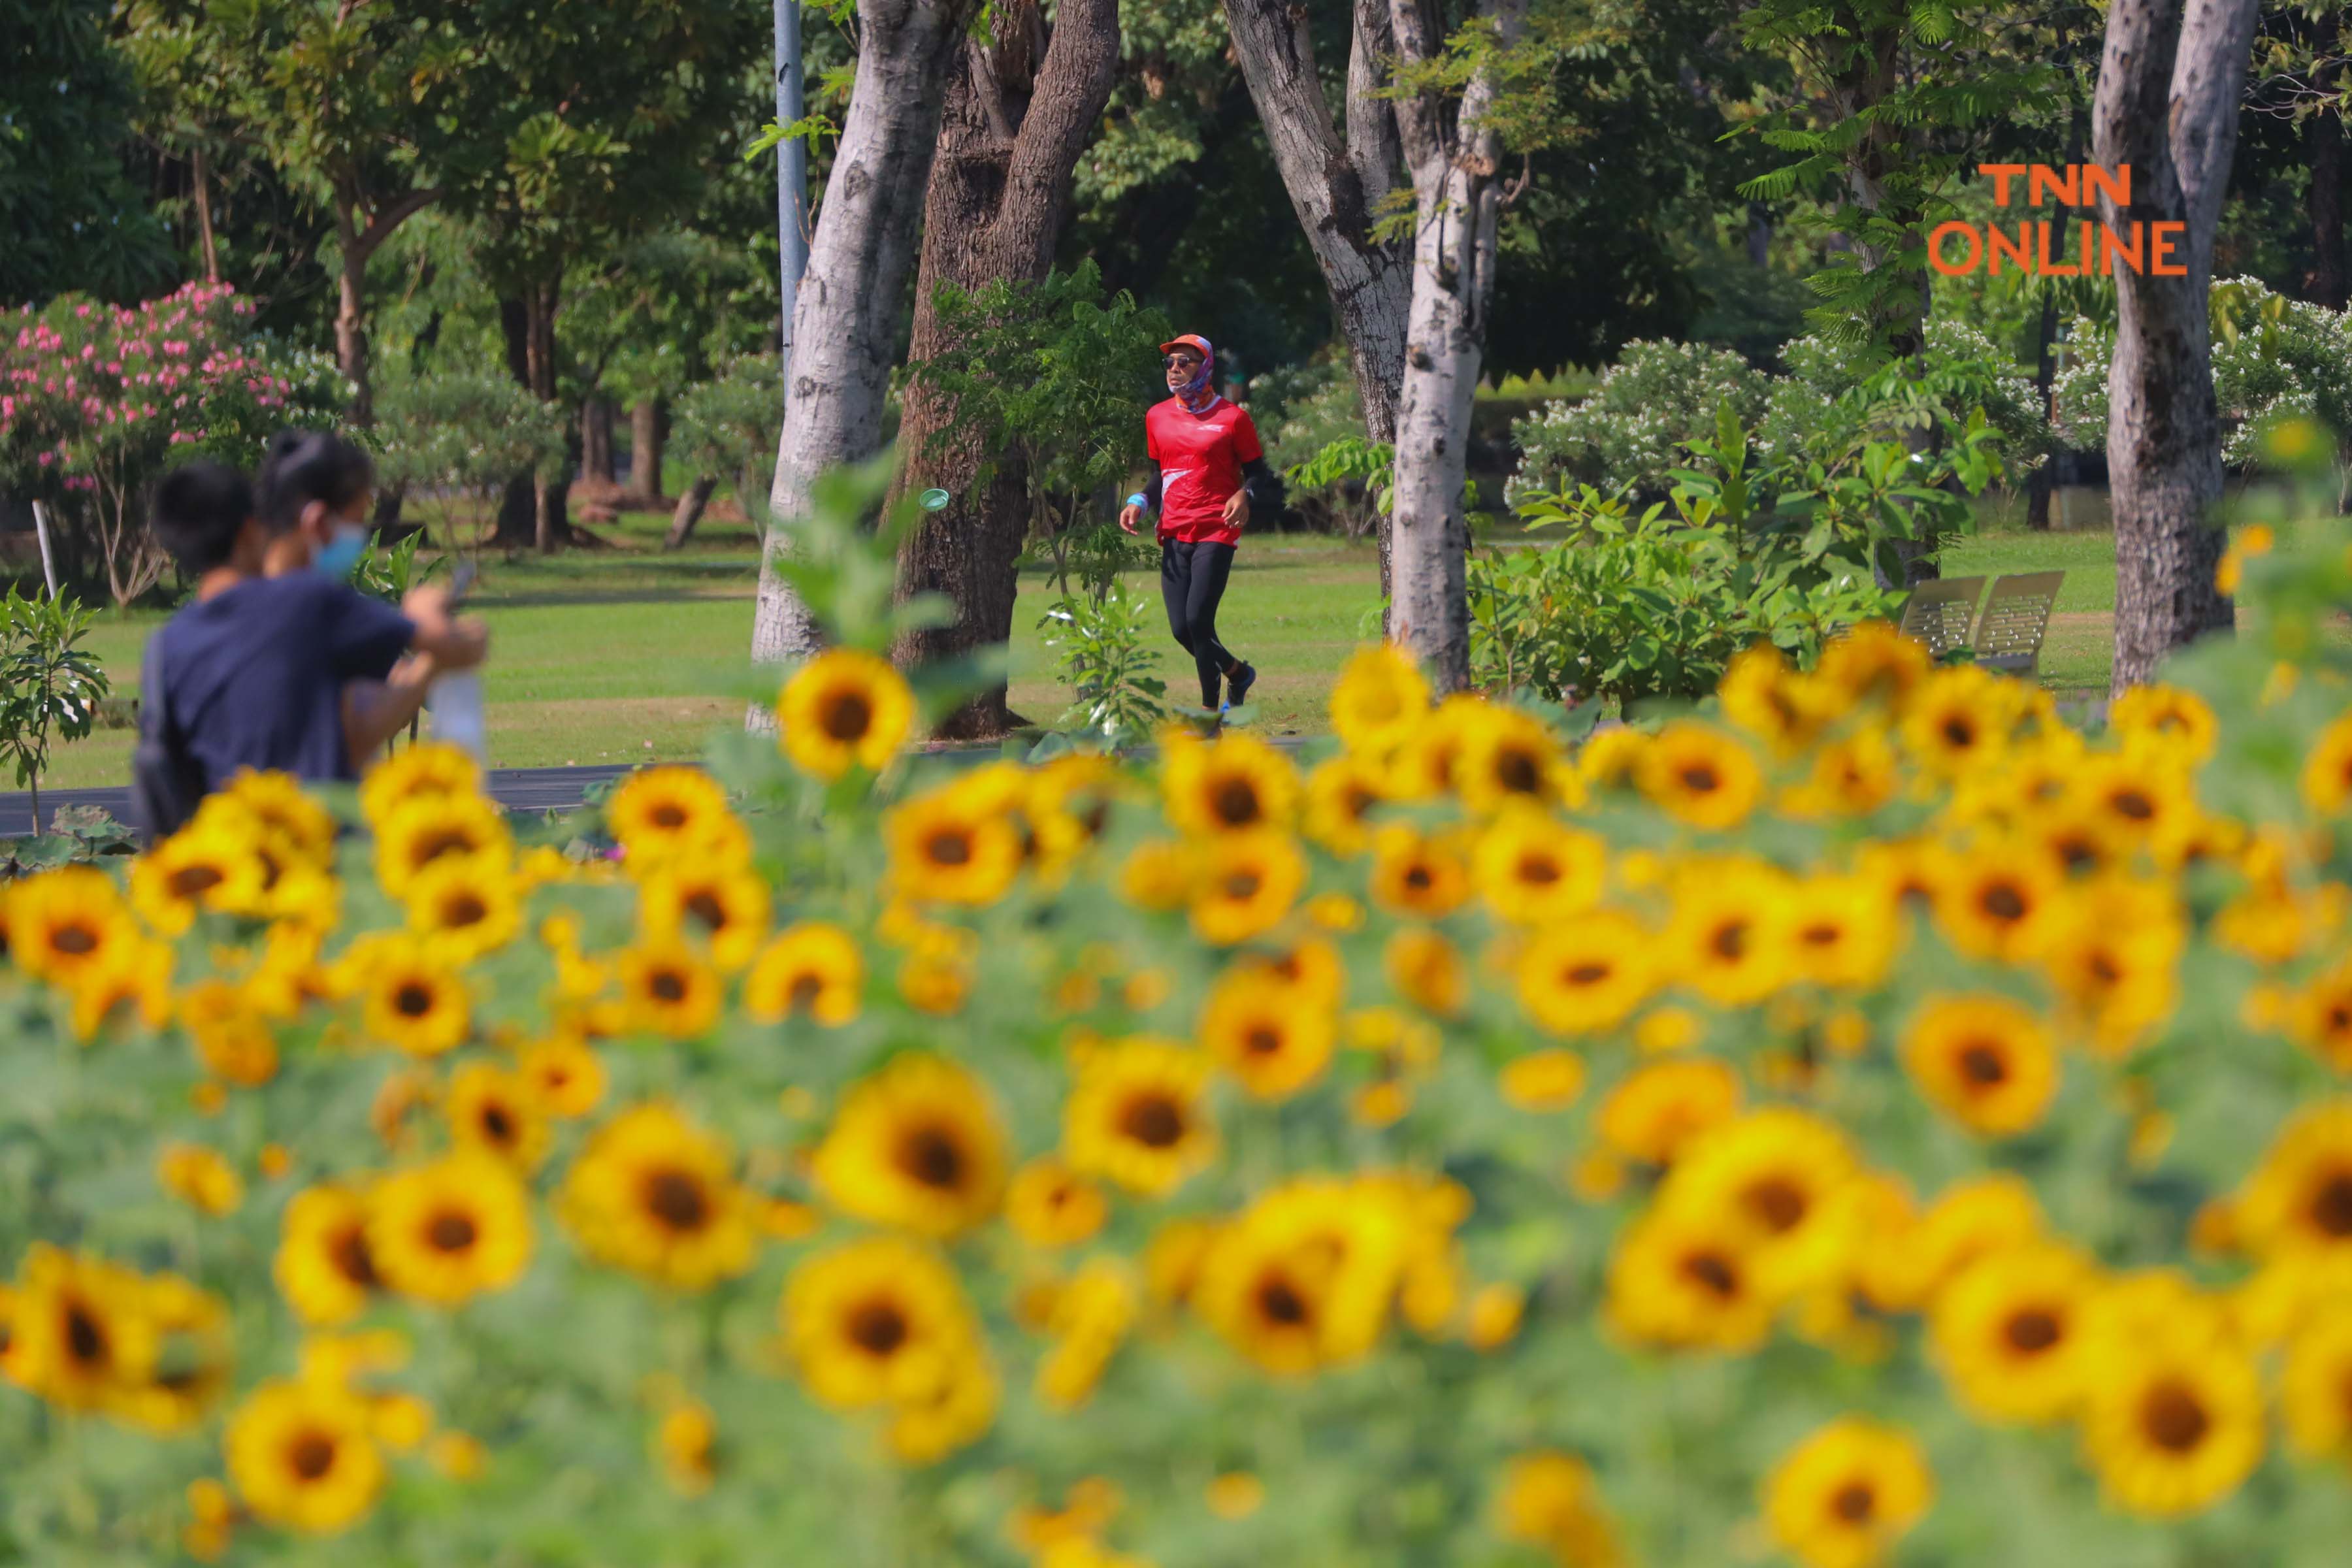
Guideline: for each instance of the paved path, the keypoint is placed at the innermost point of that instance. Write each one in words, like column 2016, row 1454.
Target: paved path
column 524, row 789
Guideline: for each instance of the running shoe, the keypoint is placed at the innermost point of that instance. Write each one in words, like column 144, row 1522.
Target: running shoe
column 1238, row 684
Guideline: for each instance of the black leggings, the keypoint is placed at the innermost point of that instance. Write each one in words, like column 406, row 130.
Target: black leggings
column 1191, row 581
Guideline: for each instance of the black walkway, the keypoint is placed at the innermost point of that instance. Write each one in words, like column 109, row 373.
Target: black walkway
column 523, row 789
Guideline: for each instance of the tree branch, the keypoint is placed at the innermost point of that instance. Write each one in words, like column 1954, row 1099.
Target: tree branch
column 1074, row 82
column 390, row 216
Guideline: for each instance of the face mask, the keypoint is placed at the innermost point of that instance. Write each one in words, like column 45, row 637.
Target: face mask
column 340, row 557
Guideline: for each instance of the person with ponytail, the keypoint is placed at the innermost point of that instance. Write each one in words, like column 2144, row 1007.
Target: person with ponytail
column 1205, row 463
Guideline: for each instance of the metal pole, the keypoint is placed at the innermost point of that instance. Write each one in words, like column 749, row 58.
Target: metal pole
column 792, row 169
column 41, row 527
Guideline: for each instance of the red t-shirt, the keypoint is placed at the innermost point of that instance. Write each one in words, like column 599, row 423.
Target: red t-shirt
column 1200, row 458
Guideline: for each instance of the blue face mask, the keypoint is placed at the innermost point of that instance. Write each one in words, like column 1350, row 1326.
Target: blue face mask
column 340, row 557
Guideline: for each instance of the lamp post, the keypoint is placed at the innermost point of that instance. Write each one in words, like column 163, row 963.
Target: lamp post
column 792, row 169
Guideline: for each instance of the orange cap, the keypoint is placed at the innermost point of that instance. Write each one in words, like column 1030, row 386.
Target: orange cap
column 1194, row 340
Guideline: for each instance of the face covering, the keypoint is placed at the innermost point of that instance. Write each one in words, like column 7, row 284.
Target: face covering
column 339, row 556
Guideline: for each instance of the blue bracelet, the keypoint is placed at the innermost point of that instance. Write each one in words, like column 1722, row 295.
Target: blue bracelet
column 1137, row 500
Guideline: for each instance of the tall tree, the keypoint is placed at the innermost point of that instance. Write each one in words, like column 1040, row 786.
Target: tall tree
column 2168, row 107
column 1020, row 105
column 844, row 316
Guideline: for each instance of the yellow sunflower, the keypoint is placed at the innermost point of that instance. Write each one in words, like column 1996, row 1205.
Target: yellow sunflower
column 665, row 814
column 1048, row 1204
column 449, row 1230
column 1844, row 1495
column 1764, row 695
column 232, row 1039
column 2328, row 769
column 496, row 1112
column 1543, row 1081
column 1906, row 1265
column 277, row 805
column 948, row 846
column 1422, row 875
column 2319, row 1015
column 1138, row 1115
column 564, row 1075
column 439, row 827
column 814, row 970
column 2172, row 1429
column 1274, row 1039
column 422, row 772
column 1508, row 758
column 2299, row 1199
column 1532, row 869
column 843, row 709
column 2010, row 1333
column 1427, row 971
column 1780, row 1177
column 140, row 981
column 192, row 1359
column 1423, row 767
column 461, row 907
column 1730, row 938
column 875, row 1322
column 1225, row 786
column 1379, row 700
column 69, row 926
column 918, row 1145
column 1244, row 883
column 1656, row 1110
column 80, row 1335
column 1157, row 875
column 1873, row 662
column 1586, row 974
column 1852, row 775
column 670, row 989
column 2001, row 900
column 1340, row 795
column 301, row 1456
column 204, row 866
column 724, row 906
column 1958, row 721
column 1986, row 1060
column 323, row 1267
column 1304, row 1278
column 1842, row 932
column 2316, row 1386
column 1686, row 1281
column 1550, row 1500
column 1313, row 966
column 408, row 997
column 1700, row 776
column 655, row 1195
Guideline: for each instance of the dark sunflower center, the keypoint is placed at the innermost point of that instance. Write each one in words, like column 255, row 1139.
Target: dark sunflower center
column 1959, row 731
column 464, row 910
column 1235, row 803
column 1778, row 1202
column 1854, row 1502
column 74, row 940
column 948, row 846
column 933, row 1157
column 1984, row 1066
column 2104, row 967
column 1262, row 1041
column 1700, row 778
column 1516, row 771
column 432, row 846
column 2032, row 1330
column 1356, row 801
column 412, row 1000
column 1243, row 884
column 1730, row 941
column 1820, row 934
column 678, row 1200
column 667, row 985
column 2132, row 803
column 1541, row 871
column 450, row 1232
column 1588, row 972
column 807, row 989
column 877, row 1328
column 2003, row 901
column 311, row 1455
column 1154, row 1120
column 347, row 1250
column 706, row 908
column 1281, row 1303
column 2173, row 1418
column 85, row 1338
column 2331, row 1205
column 189, row 882
column 498, row 1123
column 668, row 814
column 1419, row 879
column 847, row 716
column 1711, row 1272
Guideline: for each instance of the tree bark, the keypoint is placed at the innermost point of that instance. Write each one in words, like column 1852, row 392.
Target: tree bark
column 200, row 176
column 2167, row 105
column 596, row 442
column 2329, row 284
column 1459, row 199
column 848, row 301
column 1015, row 119
column 1336, row 186
column 533, row 510
column 354, row 245
column 689, row 510
column 645, row 451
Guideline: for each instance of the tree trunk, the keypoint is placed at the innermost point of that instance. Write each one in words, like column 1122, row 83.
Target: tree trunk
column 646, row 453
column 350, row 341
column 2167, row 106
column 2329, row 285
column 2045, row 348
column 689, row 512
column 1015, row 121
column 596, row 442
column 533, row 510
column 200, row 176
column 1759, row 235
column 1460, row 204
column 1335, row 186
column 846, row 307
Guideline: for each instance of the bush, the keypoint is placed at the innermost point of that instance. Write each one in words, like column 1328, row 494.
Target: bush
column 1630, row 431
column 726, row 428
column 1310, row 420
column 454, row 435
column 1796, row 1131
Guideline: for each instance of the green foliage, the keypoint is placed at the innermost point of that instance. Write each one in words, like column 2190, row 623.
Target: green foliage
column 460, row 434
column 1100, row 649
column 50, row 686
column 1837, row 393
column 1631, row 430
column 728, row 426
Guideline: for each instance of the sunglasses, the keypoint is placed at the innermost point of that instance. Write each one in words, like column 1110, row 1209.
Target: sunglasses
column 1179, row 361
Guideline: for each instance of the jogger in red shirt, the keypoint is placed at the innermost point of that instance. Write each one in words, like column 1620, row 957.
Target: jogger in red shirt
column 1204, row 458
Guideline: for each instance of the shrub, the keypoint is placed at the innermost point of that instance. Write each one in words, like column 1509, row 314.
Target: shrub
column 1630, row 431
column 726, row 428
column 463, row 435
column 1884, row 1120
column 1311, row 422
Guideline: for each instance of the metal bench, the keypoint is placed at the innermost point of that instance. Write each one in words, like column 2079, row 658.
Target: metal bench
column 2016, row 617
column 1940, row 611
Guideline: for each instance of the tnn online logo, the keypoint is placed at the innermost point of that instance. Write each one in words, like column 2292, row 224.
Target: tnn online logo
column 2150, row 247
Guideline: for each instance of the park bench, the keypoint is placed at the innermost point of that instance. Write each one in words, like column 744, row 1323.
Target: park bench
column 1942, row 612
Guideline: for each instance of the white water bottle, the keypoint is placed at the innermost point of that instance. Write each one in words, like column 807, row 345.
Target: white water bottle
column 454, row 700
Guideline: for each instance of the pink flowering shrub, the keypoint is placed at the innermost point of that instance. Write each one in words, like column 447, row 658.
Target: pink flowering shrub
column 98, row 400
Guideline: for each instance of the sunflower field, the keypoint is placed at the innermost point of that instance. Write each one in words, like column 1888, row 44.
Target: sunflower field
column 1863, row 1119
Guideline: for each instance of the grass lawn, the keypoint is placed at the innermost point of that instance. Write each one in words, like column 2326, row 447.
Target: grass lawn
column 632, row 654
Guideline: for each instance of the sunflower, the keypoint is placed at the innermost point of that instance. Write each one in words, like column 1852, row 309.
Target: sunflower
column 436, row 827
column 812, row 969
column 2010, row 1333
column 1419, row 874
column 1227, row 784
column 947, row 847
column 1138, row 1115
column 1156, row 874
column 233, row 1040
column 1764, row 695
column 655, row 1195
column 1730, row 938
column 1957, row 722
column 1844, row 1495
column 192, row 1357
column 955, row 1411
column 2001, row 900
column 278, row 808
column 2299, row 1199
column 1986, row 1060
column 2172, row 1429
column 1304, row 1277
column 2328, row 769
column 1379, row 700
column 1048, row 1204
column 1427, row 971
column 564, row 1075
column 461, row 907
column 2320, row 1017
column 1686, row 1281
column 80, row 1335
column 1543, row 1081
column 449, row 1230
column 301, row 1456
column 1312, row 967
column 1508, row 758
column 1340, row 795
column 1780, row 1177
column 1550, row 1500
column 670, row 989
column 1244, row 883
column 408, row 997
column 426, row 770
column 142, row 981
column 1656, row 1110
column 1586, row 974
column 199, row 1177
column 1700, row 776
column 1532, row 869
column 661, row 815
column 1907, row 1265
column 68, row 926
column 843, row 709
column 1873, row 662
column 323, row 1267
column 204, row 866
column 1269, row 1035
column 724, row 906
column 875, row 1322
column 496, row 1111
column 1611, row 759
column 1842, row 932
column 1852, row 775
column 918, row 1145
column 2316, row 1387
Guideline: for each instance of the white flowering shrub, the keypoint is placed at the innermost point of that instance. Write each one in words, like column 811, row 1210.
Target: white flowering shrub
column 1656, row 396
